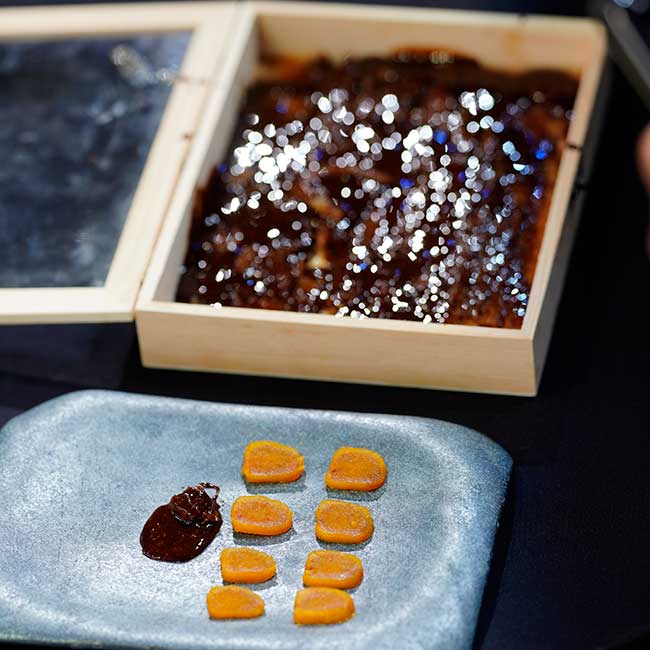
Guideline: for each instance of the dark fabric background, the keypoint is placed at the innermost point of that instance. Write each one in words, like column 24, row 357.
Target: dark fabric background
column 572, row 563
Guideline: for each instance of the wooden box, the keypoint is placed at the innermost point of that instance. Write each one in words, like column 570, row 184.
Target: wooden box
column 253, row 341
column 195, row 133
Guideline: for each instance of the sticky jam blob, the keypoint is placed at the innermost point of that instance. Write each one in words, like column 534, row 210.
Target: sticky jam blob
column 183, row 528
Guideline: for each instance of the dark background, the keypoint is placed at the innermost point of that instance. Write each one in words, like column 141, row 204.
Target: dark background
column 572, row 563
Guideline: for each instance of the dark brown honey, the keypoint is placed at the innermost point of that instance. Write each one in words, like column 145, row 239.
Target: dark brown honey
column 413, row 187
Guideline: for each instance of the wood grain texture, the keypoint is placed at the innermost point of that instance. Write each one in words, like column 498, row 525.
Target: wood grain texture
column 212, row 138
column 70, row 305
column 66, row 21
column 284, row 344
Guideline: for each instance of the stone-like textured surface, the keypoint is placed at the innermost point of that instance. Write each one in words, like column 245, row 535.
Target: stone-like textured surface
column 81, row 474
column 77, row 119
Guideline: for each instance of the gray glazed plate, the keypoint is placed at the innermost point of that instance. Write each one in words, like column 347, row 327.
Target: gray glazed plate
column 81, row 474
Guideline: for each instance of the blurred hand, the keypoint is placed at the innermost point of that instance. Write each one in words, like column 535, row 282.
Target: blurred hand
column 643, row 156
column 643, row 163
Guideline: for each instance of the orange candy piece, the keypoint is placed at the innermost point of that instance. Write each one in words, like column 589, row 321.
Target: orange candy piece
column 259, row 515
column 332, row 569
column 342, row 522
column 266, row 461
column 246, row 565
column 234, row 602
column 322, row 605
column 353, row 468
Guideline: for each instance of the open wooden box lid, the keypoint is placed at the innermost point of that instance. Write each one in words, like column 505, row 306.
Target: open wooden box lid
column 99, row 282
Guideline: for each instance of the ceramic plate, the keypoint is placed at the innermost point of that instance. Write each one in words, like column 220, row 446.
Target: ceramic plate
column 82, row 473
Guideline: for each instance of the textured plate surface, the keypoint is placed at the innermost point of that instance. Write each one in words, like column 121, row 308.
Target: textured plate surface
column 81, row 474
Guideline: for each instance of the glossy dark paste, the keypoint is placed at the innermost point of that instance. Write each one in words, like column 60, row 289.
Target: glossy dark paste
column 415, row 187
column 181, row 529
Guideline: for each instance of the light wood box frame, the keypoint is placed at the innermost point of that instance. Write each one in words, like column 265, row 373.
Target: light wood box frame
column 209, row 23
column 314, row 346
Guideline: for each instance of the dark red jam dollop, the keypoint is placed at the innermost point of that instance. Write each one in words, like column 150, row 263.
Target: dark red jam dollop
column 181, row 529
column 412, row 187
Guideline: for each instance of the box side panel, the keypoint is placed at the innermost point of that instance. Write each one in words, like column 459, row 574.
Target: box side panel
column 589, row 147
column 73, row 305
column 508, row 41
column 551, row 298
column 553, row 242
column 424, row 359
column 154, row 191
column 168, row 153
column 101, row 19
column 210, row 142
column 505, row 41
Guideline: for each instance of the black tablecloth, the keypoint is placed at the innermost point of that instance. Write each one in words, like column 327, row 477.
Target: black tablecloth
column 572, row 563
